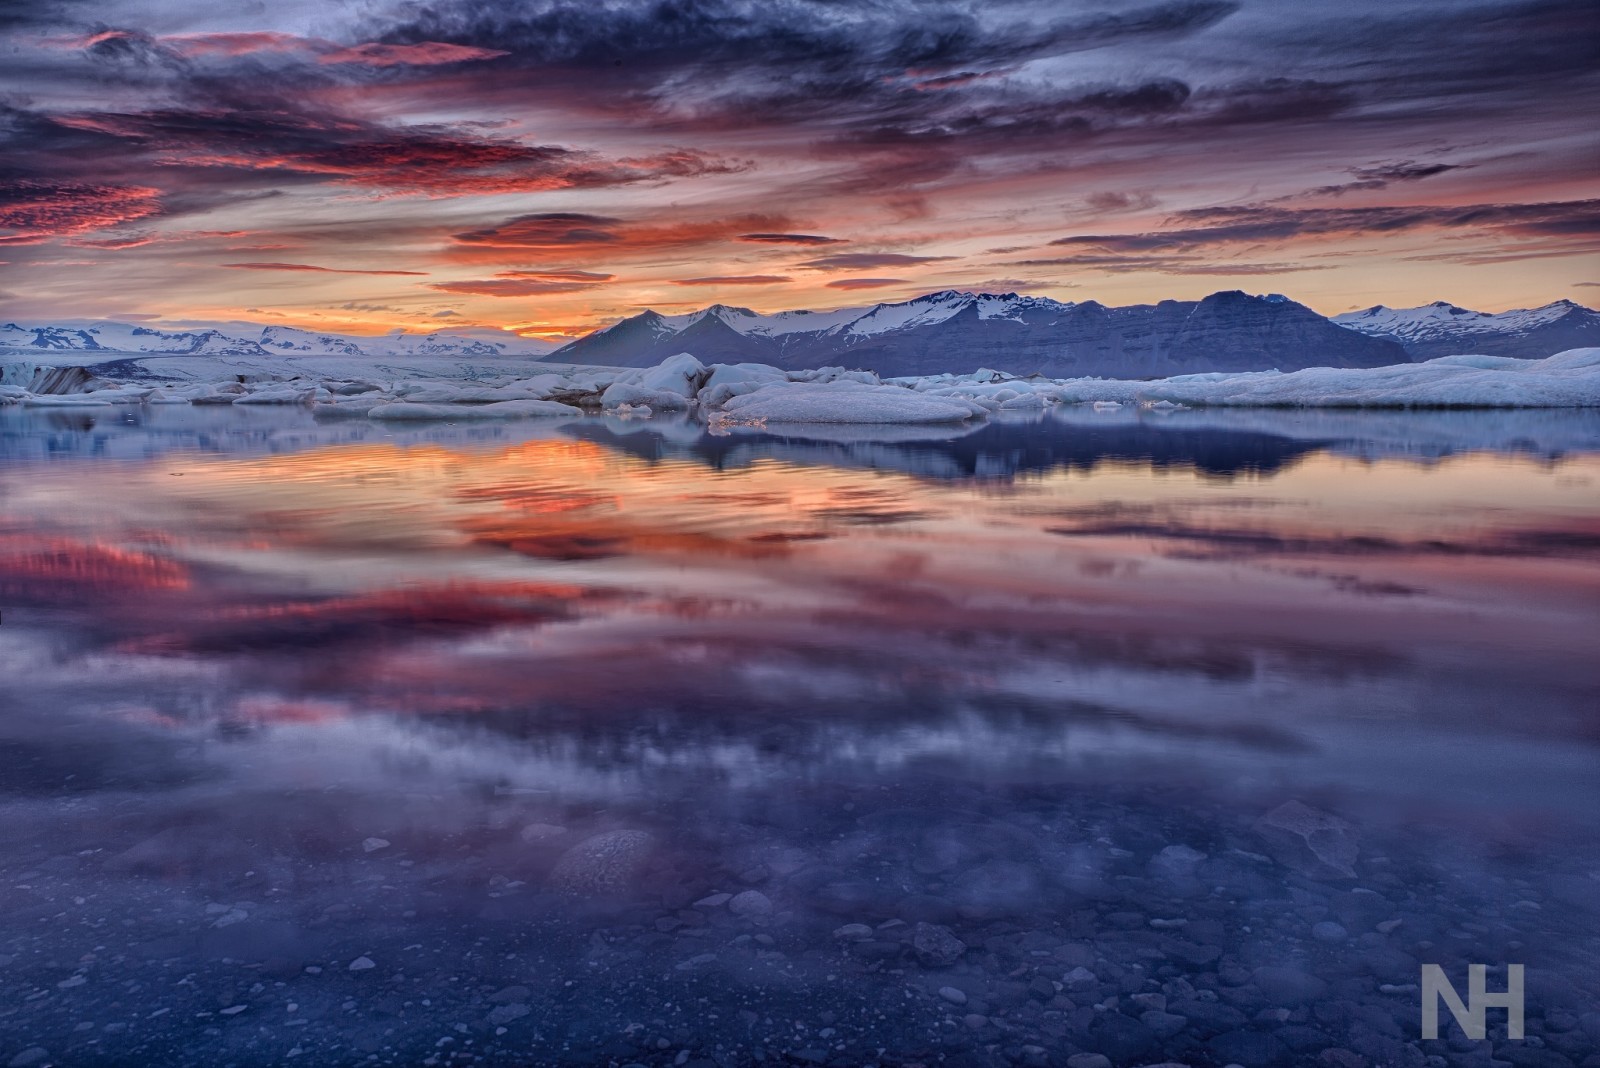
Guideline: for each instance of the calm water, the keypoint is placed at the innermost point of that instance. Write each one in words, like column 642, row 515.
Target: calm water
column 327, row 745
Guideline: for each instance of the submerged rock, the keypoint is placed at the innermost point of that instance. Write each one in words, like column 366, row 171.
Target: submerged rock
column 1312, row 842
column 937, row 946
column 605, row 863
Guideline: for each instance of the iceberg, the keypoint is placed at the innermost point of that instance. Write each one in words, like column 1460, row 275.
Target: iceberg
column 848, row 402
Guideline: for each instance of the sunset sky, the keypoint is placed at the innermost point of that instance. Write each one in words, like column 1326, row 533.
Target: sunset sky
column 552, row 165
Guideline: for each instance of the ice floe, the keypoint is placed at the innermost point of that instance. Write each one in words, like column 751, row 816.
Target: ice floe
column 749, row 393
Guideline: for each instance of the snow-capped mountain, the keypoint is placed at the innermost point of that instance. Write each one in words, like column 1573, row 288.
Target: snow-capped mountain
column 253, row 339
column 960, row 331
column 1442, row 329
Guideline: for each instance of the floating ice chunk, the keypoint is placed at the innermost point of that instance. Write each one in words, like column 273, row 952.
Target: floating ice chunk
column 681, row 374
column 729, row 380
column 445, row 393
column 630, row 395
column 834, row 374
column 848, row 402
column 79, row 400
column 1025, row 402
column 1569, row 379
column 1107, row 406
column 670, row 385
column 282, row 395
column 513, row 409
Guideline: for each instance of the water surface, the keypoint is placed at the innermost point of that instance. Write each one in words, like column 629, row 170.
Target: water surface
column 508, row 713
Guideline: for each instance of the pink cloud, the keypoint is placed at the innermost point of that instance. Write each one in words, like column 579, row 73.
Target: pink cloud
column 426, row 54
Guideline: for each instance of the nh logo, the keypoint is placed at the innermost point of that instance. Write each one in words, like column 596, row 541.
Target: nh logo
column 1471, row 1015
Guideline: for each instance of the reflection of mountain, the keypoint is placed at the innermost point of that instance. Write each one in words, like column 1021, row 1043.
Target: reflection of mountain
column 1211, row 440
column 993, row 449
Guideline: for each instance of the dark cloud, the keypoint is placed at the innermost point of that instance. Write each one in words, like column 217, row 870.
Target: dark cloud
column 782, row 42
column 1203, row 228
column 791, row 239
column 734, row 280
column 309, row 267
column 1382, row 175
column 546, row 230
column 306, row 146
column 866, row 261
column 570, row 234
column 1108, row 201
column 1135, row 263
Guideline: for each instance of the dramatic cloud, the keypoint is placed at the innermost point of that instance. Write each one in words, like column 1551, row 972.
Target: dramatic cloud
column 32, row 211
column 733, row 280
column 713, row 142
column 416, row 160
column 1210, row 227
column 309, row 267
column 568, row 235
column 545, row 231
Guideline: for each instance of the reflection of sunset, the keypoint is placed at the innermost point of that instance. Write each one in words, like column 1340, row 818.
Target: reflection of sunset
column 44, row 566
column 432, row 579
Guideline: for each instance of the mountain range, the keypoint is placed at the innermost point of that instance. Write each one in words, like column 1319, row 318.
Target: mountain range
column 254, row 339
column 1441, row 329
column 960, row 331
column 945, row 331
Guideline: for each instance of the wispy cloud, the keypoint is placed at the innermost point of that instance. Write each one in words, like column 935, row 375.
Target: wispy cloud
column 310, row 267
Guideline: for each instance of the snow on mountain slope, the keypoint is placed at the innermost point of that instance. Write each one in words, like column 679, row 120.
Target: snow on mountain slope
column 254, row 339
column 1441, row 329
column 927, row 310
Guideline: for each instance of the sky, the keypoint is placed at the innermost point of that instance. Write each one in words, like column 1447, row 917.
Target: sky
column 550, row 166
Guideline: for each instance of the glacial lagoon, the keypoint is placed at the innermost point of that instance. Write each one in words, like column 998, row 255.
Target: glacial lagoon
column 1180, row 737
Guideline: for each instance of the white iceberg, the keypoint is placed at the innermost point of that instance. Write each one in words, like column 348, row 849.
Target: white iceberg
column 668, row 386
column 1568, row 379
column 848, row 402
